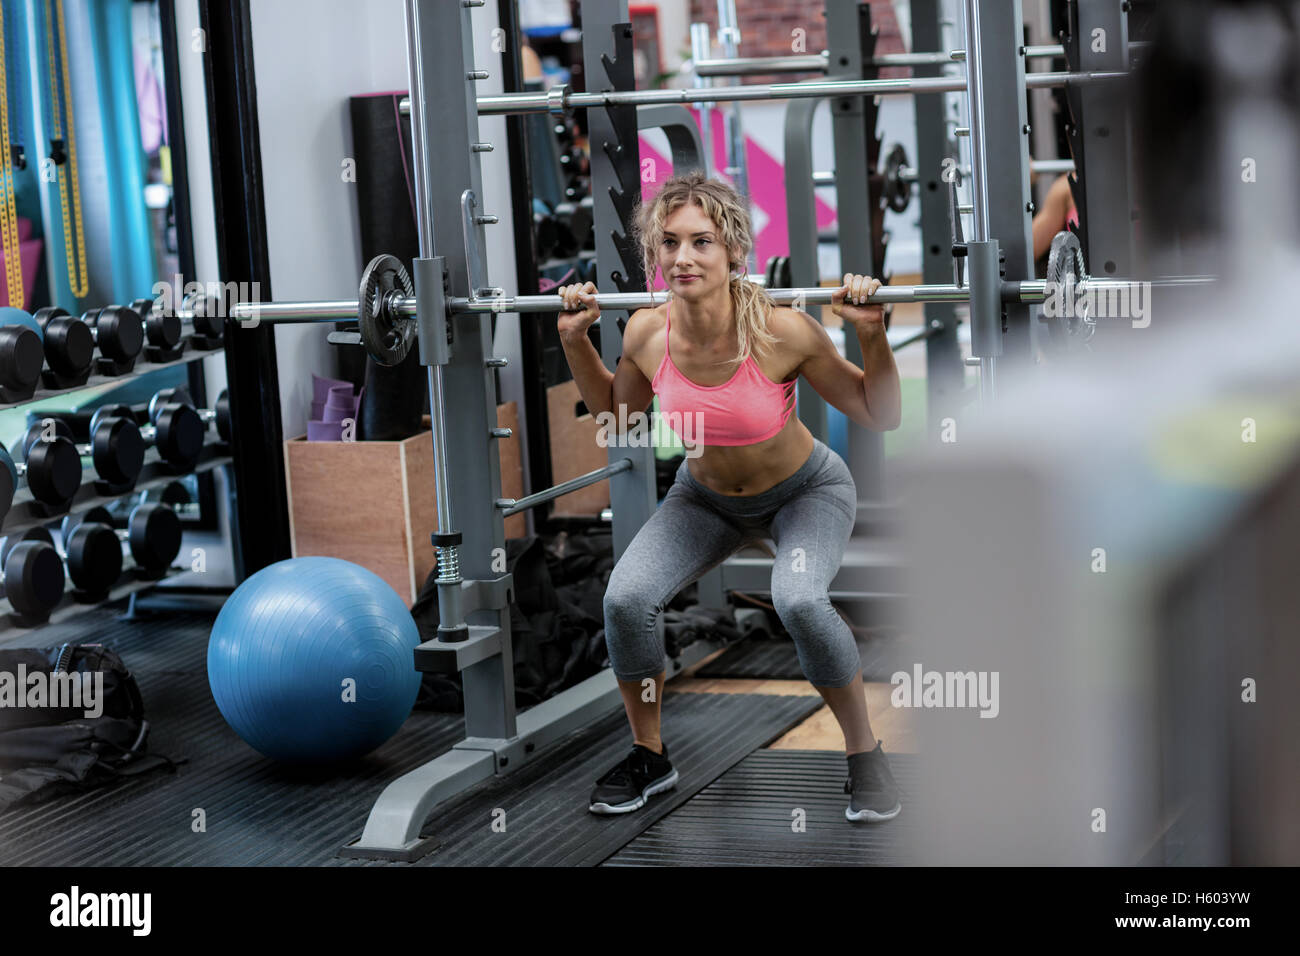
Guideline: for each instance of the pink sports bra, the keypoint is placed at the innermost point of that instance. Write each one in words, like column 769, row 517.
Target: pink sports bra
column 741, row 411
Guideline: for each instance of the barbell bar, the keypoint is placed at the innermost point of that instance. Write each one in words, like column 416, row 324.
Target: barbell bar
column 560, row 99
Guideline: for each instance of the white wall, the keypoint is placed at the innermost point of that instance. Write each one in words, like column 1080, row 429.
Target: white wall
column 310, row 57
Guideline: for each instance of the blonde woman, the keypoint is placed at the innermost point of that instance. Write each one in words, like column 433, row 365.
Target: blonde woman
column 720, row 354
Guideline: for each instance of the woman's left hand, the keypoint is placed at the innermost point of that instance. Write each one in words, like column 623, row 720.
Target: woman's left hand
column 849, row 302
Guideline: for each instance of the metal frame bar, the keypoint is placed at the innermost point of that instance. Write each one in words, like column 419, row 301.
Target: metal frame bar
column 818, row 62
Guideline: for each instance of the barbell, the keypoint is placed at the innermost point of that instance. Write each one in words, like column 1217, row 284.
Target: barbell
column 560, row 99
column 385, row 309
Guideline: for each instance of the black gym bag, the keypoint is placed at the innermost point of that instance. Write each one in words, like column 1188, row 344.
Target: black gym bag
column 45, row 750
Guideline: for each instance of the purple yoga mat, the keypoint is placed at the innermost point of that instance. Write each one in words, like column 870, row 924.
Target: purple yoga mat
column 321, row 386
column 324, row 431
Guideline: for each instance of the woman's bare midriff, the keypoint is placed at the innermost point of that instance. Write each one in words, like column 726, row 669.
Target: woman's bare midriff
column 736, row 470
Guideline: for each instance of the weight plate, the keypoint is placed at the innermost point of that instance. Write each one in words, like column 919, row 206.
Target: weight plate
column 168, row 396
column 898, row 194
column 120, row 333
column 69, row 346
column 387, row 338
column 96, row 515
column 223, row 415
column 1065, row 267
column 8, row 482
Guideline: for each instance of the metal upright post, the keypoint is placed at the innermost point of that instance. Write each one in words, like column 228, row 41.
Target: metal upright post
column 615, row 191
column 700, row 51
column 1003, row 132
column 729, row 39
column 945, row 375
column 801, row 229
column 848, row 36
column 443, row 105
column 1104, row 136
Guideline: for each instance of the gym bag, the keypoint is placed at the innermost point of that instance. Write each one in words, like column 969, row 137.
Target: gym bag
column 46, row 750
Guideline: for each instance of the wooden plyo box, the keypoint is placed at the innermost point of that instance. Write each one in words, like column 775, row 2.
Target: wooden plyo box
column 373, row 503
column 575, row 451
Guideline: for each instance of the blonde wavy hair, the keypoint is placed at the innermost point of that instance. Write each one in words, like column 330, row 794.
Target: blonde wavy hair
column 730, row 214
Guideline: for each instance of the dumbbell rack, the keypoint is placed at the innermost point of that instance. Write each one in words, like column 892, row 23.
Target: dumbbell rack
column 26, row 512
column 142, row 368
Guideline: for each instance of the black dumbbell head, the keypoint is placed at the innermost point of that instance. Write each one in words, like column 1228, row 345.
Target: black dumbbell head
column 154, row 533
column 208, row 318
column 96, row 515
column 94, row 557
column 45, row 429
column 117, row 448
column 179, row 395
column 69, row 345
column 21, row 356
column 44, row 315
column 175, row 493
column 33, row 576
column 180, row 436
column 8, row 481
column 53, row 471
column 11, row 541
column 120, row 333
column 223, row 416
column 110, row 411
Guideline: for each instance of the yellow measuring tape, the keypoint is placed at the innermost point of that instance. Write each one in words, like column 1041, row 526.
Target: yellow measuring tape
column 78, row 277
column 8, row 207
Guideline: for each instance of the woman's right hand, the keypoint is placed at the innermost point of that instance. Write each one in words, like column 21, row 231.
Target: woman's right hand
column 579, row 308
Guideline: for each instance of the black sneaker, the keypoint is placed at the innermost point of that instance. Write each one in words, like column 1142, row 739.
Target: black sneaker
column 874, row 794
column 640, row 775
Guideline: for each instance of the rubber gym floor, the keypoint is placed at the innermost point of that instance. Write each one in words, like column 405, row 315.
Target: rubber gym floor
column 761, row 764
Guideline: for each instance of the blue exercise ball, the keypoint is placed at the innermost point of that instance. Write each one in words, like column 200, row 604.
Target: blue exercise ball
column 310, row 661
column 12, row 316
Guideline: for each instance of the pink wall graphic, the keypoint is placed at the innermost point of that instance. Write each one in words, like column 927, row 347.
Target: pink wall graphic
column 766, row 190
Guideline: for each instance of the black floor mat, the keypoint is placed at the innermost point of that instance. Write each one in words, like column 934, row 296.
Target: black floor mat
column 774, row 658
column 747, row 817
column 255, row 812
column 545, row 803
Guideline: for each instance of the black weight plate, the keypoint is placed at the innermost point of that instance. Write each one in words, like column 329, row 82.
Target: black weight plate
column 94, row 557
column 180, row 395
column 387, row 338
column 43, row 315
column 9, row 542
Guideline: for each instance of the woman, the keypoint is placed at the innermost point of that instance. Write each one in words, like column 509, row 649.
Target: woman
column 721, row 355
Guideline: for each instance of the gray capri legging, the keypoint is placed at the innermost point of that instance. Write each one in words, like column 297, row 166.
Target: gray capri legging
column 809, row 517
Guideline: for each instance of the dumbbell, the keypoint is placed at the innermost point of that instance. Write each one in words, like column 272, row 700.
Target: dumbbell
column 178, row 435
column 116, row 449
column 205, row 314
column 180, row 397
column 33, row 575
column 69, row 347
column 119, row 334
column 22, row 354
column 162, row 332
column 94, row 546
column 52, row 470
